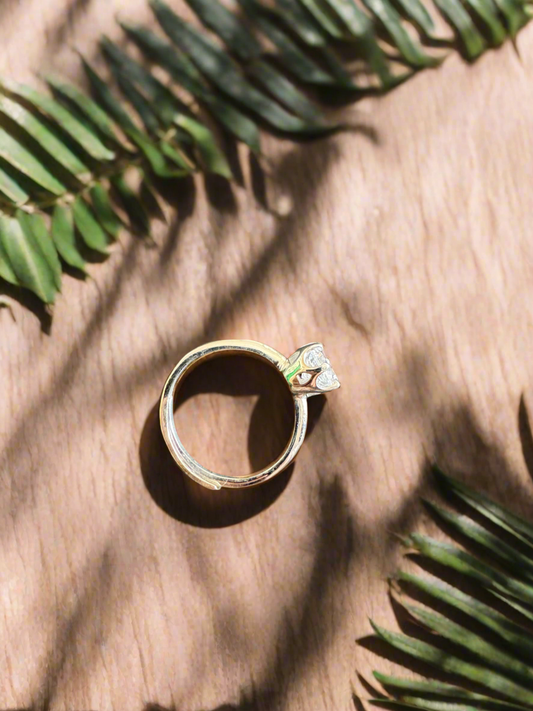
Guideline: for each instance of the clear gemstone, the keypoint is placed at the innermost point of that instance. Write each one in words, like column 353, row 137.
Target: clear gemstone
column 326, row 379
column 315, row 357
column 304, row 378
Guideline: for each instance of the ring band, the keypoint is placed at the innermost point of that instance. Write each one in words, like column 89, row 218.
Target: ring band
column 307, row 372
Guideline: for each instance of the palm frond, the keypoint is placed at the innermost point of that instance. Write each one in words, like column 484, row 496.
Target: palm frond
column 482, row 638
column 258, row 65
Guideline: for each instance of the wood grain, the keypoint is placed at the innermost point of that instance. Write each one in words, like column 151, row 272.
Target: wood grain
column 405, row 245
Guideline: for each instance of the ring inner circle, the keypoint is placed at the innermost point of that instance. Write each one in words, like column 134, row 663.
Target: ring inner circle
column 234, row 413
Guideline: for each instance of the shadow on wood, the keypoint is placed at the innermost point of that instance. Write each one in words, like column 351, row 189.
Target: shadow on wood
column 269, row 431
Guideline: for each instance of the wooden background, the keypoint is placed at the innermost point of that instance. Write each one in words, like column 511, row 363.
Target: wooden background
column 405, row 244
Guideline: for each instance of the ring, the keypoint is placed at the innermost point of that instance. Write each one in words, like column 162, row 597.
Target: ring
column 307, row 372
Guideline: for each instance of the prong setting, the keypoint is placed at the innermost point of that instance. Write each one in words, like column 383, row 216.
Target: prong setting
column 308, row 371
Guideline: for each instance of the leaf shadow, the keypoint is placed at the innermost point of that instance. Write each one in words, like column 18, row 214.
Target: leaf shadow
column 74, row 14
column 29, row 301
column 306, row 631
column 526, row 436
column 369, row 688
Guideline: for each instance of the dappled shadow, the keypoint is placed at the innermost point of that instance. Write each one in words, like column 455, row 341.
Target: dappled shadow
column 463, row 450
column 310, row 624
column 220, row 194
column 96, row 578
column 185, row 500
column 258, row 181
column 247, row 704
column 29, row 301
column 60, row 384
column 181, row 195
column 294, row 174
column 74, row 14
column 526, row 436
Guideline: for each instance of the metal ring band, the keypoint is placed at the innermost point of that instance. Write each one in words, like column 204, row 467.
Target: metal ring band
column 292, row 368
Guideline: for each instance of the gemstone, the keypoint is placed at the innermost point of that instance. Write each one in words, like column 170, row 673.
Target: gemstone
column 304, row 378
column 327, row 379
column 315, row 357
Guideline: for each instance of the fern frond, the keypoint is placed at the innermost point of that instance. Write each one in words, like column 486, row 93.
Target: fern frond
column 65, row 157
column 476, row 637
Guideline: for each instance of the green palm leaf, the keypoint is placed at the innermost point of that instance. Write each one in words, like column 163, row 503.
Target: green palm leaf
column 88, row 226
column 325, row 18
column 458, row 17
column 130, row 201
column 417, row 13
column 7, row 271
column 92, row 112
column 89, row 141
column 185, row 74
column 64, row 155
column 21, row 158
column 104, row 211
column 11, row 190
column 510, row 632
column 415, row 689
column 301, row 21
column 218, row 67
column 474, row 637
column 35, row 225
column 513, row 524
column 51, row 143
column 448, row 662
column 410, row 50
column 64, row 237
column 26, row 258
column 244, row 45
column 296, row 61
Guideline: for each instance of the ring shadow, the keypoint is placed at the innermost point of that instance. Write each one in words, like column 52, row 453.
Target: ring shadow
column 269, row 431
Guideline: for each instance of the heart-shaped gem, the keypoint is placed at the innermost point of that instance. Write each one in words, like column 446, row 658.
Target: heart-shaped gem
column 327, row 379
column 315, row 357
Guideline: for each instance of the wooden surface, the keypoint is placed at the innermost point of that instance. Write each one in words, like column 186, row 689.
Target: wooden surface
column 406, row 246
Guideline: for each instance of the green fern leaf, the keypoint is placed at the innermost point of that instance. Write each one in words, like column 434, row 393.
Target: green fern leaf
column 90, row 143
column 89, row 227
column 64, row 238
column 473, row 636
column 26, row 259
column 71, row 95
column 137, row 214
column 103, row 209
column 458, row 17
column 35, row 225
column 10, row 188
column 21, row 158
column 221, row 70
column 44, row 136
column 391, row 21
column 275, row 63
column 185, row 74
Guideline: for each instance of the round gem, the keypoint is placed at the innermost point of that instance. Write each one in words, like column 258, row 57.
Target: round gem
column 315, row 357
